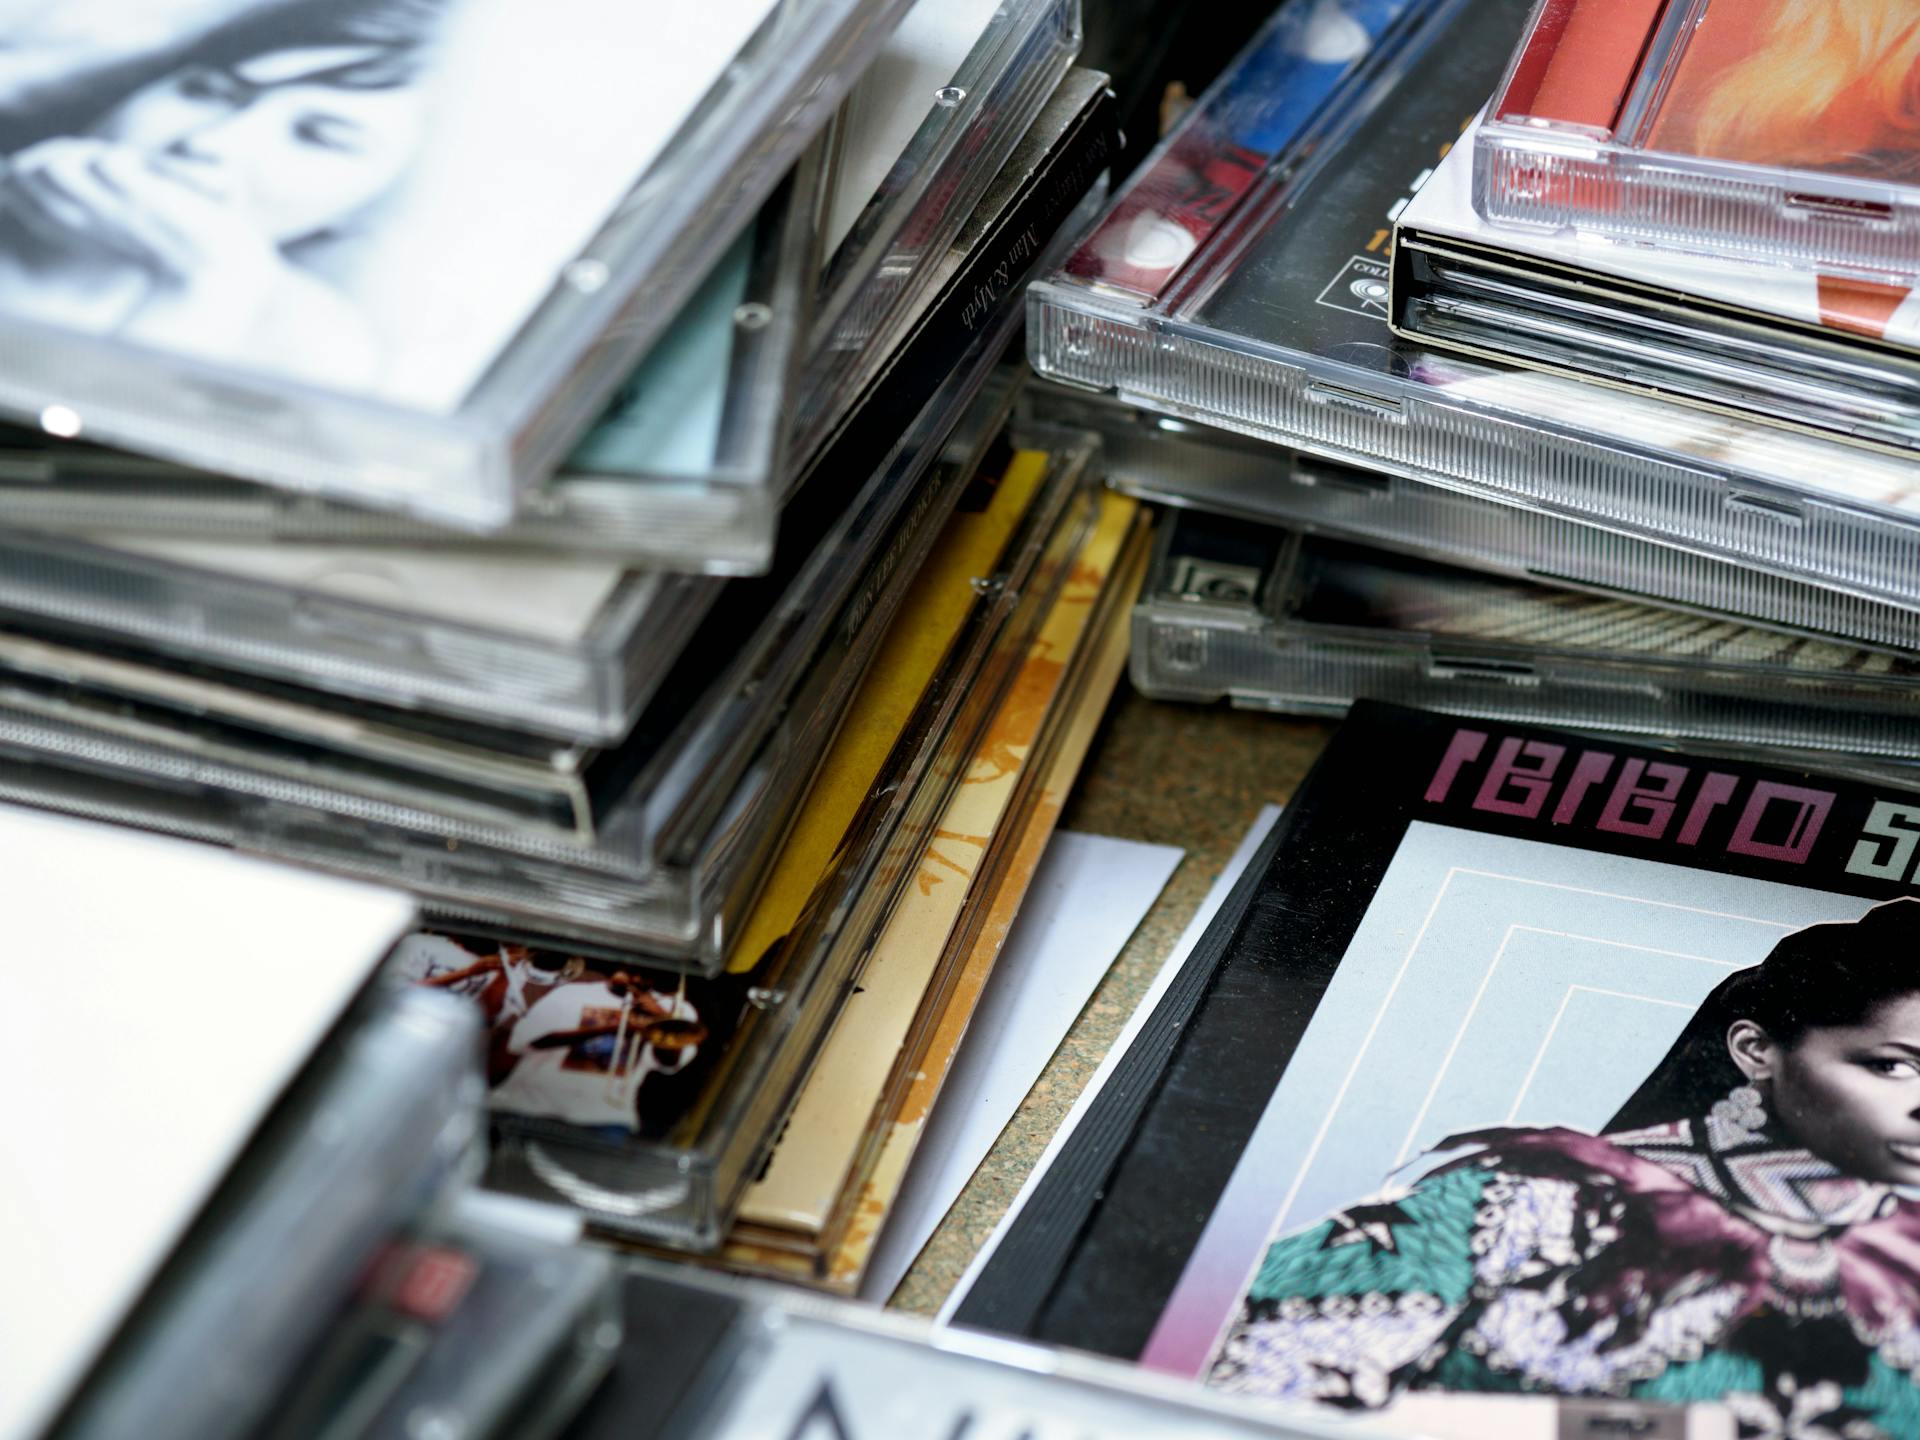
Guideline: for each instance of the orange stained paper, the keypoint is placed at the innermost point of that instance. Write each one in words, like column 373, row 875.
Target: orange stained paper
column 923, row 629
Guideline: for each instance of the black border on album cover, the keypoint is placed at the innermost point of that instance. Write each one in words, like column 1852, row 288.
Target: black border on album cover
column 1096, row 1252
column 1011, row 1293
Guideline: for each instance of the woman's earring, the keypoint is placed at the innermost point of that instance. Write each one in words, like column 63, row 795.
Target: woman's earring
column 1740, row 1118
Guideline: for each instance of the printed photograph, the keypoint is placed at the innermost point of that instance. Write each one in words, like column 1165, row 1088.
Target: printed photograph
column 368, row 196
column 1577, row 1124
column 608, row 1047
column 1806, row 84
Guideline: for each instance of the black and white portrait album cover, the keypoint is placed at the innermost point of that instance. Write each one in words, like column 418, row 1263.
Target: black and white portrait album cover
column 367, row 199
column 1523, row 1072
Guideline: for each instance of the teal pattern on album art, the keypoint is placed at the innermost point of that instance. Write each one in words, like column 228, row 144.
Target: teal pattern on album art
column 1890, row 1396
column 1708, row 1378
column 665, row 418
column 1429, row 1253
column 1326, row 1308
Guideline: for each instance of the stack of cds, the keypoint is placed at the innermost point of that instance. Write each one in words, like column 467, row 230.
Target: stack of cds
column 560, row 480
column 1638, row 342
column 600, row 523
column 650, row 1098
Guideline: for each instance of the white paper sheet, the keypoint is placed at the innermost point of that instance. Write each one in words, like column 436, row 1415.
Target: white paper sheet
column 1216, row 897
column 1088, row 896
column 159, row 996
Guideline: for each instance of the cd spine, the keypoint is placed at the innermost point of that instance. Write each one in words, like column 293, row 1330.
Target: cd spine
column 1183, row 656
column 1326, row 407
column 1541, row 182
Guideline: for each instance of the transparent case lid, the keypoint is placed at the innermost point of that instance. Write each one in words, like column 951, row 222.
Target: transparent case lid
column 684, row 469
column 978, row 72
column 393, row 336
column 1694, row 125
column 1276, row 620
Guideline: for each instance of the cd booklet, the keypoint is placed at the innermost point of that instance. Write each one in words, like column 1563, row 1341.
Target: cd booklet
column 1519, row 1065
column 613, row 1046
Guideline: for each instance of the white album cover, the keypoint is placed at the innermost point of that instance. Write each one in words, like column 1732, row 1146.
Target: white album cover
column 160, row 996
column 366, row 196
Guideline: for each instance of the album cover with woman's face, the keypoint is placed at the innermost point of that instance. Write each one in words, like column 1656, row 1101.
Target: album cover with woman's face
column 366, row 196
column 1533, row 1069
column 1830, row 85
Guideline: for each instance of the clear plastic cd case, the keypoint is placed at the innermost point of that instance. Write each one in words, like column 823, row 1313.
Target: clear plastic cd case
column 305, row 739
column 683, row 471
column 684, row 814
column 1184, row 463
column 1241, row 279
column 656, row 1132
column 1274, row 620
column 1834, row 357
column 885, row 249
column 487, row 1318
column 395, row 336
column 1041, row 199
column 370, row 1137
column 570, row 648
column 1695, row 125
